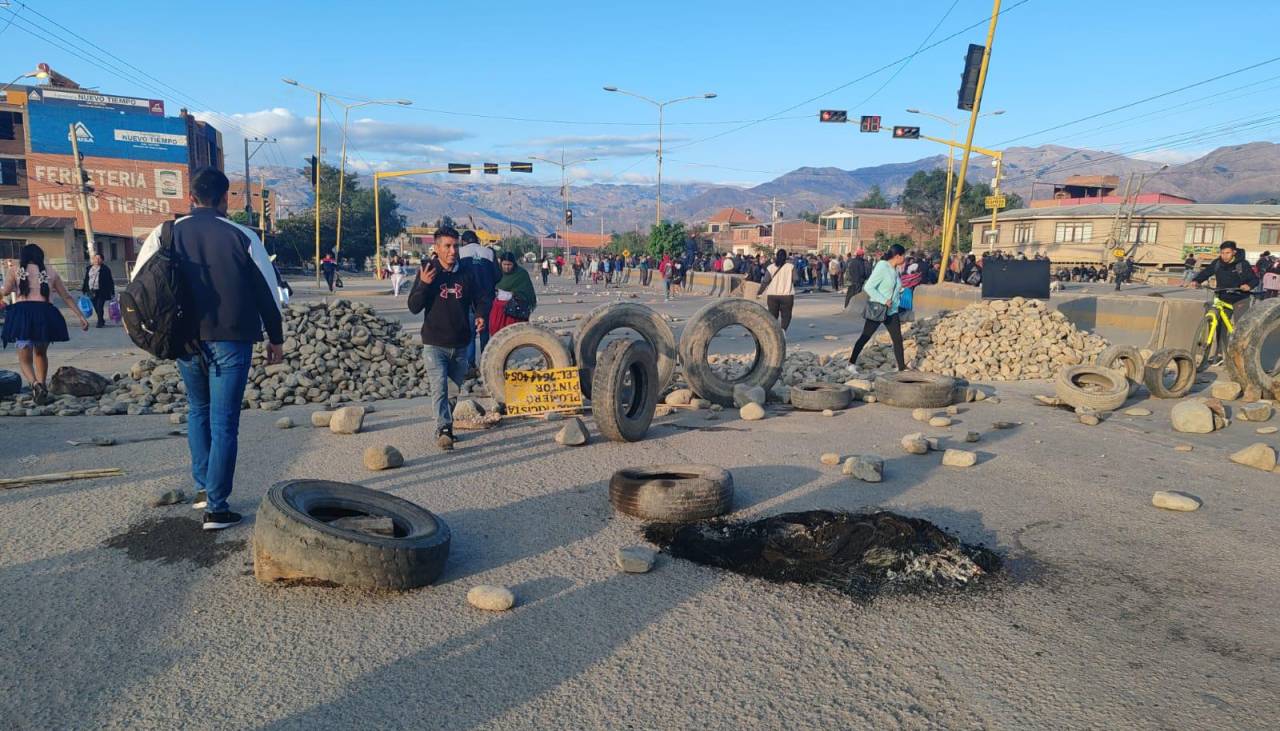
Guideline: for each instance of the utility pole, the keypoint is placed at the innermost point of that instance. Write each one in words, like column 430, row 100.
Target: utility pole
column 773, row 222
column 82, row 192
column 319, row 101
column 248, row 193
column 262, row 217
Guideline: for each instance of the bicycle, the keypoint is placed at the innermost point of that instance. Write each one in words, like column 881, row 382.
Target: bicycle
column 1206, row 345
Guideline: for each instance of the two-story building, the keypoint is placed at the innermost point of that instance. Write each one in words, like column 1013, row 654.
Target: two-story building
column 843, row 230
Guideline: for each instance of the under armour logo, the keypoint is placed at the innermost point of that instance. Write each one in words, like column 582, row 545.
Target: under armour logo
column 455, row 290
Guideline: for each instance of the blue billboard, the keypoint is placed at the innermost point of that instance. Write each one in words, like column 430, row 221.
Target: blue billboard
column 107, row 133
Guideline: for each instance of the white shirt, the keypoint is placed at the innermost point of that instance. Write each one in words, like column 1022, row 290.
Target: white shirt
column 780, row 284
column 257, row 252
column 477, row 251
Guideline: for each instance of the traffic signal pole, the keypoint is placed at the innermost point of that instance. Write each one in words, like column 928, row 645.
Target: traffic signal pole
column 948, row 235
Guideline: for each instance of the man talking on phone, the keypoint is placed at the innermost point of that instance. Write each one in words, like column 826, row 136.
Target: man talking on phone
column 446, row 295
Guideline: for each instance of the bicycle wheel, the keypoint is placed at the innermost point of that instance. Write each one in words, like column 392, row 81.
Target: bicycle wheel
column 1202, row 348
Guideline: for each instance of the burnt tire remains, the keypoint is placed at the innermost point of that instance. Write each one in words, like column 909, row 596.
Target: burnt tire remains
column 819, row 396
column 695, row 340
column 493, row 361
column 915, row 390
column 672, row 493
column 625, row 382
column 1244, row 354
column 1157, row 366
column 605, row 319
column 1092, row 387
column 293, row 538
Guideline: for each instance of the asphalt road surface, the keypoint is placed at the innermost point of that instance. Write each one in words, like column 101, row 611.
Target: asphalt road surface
column 1114, row 614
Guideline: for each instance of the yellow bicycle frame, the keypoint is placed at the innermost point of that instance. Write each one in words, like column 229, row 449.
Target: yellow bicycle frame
column 1220, row 309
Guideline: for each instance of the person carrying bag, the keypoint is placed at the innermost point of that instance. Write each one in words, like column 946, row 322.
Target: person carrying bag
column 884, row 294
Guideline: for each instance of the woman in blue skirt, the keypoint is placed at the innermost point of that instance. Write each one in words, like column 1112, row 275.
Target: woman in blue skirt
column 33, row 322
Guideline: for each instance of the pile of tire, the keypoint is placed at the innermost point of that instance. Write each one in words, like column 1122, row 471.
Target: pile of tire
column 294, row 541
column 1244, row 354
column 1153, row 372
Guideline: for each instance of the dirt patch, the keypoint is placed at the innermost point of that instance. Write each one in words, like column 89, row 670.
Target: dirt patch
column 860, row 554
column 170, row 540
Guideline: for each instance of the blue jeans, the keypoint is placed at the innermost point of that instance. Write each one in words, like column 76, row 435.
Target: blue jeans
column 444, row 365
column 215, row 379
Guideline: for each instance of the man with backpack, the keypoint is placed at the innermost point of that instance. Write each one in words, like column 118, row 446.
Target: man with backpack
column 226, row 292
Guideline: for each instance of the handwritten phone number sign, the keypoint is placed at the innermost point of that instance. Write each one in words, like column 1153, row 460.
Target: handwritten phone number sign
column 537, row 392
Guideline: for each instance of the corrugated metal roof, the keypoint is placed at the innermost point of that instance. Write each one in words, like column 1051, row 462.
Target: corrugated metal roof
column 1152, row 210
column 11, row 221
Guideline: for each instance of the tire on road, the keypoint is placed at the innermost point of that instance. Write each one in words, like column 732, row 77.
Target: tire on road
column 10, row 383
column 1125, row 358
column 292, row 538
column 1092, row 387
column 771, row 348
column 493, row 360
column 672, row 493
column 605, row 319
column 626, row 384
column 1153, row 375
column 818, row 396
column 915, row 390
column 1244, row 351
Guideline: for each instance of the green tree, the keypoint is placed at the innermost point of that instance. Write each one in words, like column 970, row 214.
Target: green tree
column 519, row 244
column 627, row 241
column 667, row 238
column 884, row 241
column 296, row 236
column 809, row 216
column 923, row 202
column 873, row 199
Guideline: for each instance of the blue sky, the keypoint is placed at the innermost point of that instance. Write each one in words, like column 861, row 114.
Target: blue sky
column 1053, row 62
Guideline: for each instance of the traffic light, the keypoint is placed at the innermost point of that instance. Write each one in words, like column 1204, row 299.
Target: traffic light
column 906, row 133
column 266, row 206
column 491, row 168
column 870, row 124
column 568, row 217
column 833, row 115
column 969, row 79
column 460, row 168
column 521, row 167
column 314, row 163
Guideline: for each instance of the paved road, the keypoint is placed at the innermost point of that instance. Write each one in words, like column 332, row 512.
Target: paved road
column 1116, row 614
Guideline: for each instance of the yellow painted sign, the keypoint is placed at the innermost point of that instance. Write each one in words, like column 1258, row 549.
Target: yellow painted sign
column 1118, row 252
column 537, row 392
column 994, row 202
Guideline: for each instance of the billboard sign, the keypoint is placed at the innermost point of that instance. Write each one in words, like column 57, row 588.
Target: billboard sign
column 90, row 100
column 107, row 133
column 129, row 196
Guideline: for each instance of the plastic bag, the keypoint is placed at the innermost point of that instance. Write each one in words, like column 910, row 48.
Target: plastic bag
column 86, row 305
column 113, row 310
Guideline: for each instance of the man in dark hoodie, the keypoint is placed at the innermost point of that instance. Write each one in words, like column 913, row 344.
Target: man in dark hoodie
column 447, row 296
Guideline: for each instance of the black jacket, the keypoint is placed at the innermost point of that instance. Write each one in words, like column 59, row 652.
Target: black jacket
column 449, row 306
column 1230, row 276
column 106, row 283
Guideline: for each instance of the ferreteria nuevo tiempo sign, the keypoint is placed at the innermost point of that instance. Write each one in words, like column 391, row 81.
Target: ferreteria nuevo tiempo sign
column 537, row 392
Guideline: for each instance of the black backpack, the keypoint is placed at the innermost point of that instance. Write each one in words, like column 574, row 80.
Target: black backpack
column 155, row 307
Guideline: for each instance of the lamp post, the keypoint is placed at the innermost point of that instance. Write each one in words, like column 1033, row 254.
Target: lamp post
column 342, row 166
column 37, row 74
column 661, row 108
column 564, row 185
column 951, row 153
column 319, row 101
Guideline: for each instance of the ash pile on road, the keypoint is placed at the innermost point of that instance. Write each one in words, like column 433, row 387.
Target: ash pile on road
column 334, row 353
column 860, row 554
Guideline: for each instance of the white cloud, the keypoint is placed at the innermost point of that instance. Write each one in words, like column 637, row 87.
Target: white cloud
column 598, row 146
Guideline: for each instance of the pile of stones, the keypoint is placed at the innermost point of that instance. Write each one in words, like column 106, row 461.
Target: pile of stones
column 334, row 353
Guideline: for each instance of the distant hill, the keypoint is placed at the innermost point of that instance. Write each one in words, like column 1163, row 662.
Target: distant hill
column 1235, row 174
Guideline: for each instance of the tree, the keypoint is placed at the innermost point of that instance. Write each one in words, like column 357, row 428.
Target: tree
column 627, row 241
column 873, row 199
column 884, row 241
column 923, row 197
column 667, row 238
column 296, row 235
column 520, row 244
column 809, row 216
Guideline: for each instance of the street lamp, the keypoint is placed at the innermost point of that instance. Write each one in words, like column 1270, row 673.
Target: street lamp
column 342, row 166
column 661, row 107
column 319, row 101
column 564, row 186
column 37, row 74
column 951, row 153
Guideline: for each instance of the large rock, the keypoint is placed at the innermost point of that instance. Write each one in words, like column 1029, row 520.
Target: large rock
column 491, row 598
column 744, row 394
column 347, row 420
column 321, row 418
column 1260, row 456
column 69, row 381
column 915, row 443
column 751, row 412
column 1226, row 390
column 959, row 458
column 573, row 433
column 1255, row 412
column 1192, row 416
column 636, row 559
column 830, row 458
column 865, row 467
column 679, row 397
column 385, row 457
column 468, row 410
column 1175, row 501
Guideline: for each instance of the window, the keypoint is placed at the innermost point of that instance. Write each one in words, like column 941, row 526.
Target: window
column 11, row 248
column 1204, row 233
column 1270, row 235
column 8, row 122
column 9, row 172
column 990, row 236
column 832, row 224
column 115, row 250
column 1073, row 232
column 1142, row 233
column 1022, row 233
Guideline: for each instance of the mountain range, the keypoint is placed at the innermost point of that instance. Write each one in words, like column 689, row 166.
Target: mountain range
column 1235, row 174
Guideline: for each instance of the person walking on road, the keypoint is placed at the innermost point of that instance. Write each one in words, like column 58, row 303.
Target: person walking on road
column 546, row 270
column 397, row 275
column 33, row 322
column 884, row 289
column 232, row 284
column 779, row 289
column 515, row 299
column 99, row 286
column 329, row 268
column 856, row 275
column 447, row 295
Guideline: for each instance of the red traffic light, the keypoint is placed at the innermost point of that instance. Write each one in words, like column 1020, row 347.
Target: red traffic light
column 906, row 133
column 833, row 115
column 870, row 123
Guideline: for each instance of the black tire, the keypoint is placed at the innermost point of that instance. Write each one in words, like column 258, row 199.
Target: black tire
column 605, row 319
column 1091, row 387
column 915, row 390
column 673, row 493
column 818, row 396
column 291, row 539
column 10, row 383
column 493, row 360
column 771, row 348
column 1154, row 372
column 1244, row 351
column 625, row 382
column 1202, row 352
column 1125, row 358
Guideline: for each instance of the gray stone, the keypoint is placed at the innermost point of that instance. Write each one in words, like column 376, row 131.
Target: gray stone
column 1265, row 430
column 1089, row 419
column 959, row 458
column 1259, row 456
column 744, row 394
column 77, row 382
column 830, row 458
column 1175, row 501
column 284, row 422
column 828, row 412
column 1255, row 412
column 556, row 416
column 679, row 397
column 972, row 436
column 1226, row 390
column 751, row 412
column 922, row 414
column 467, row 410
column 171, row 497
column 1192, row 417
column 385, row 457
column 1137, row 411
column 940, row 421
column 1003, row 424
column 636, row 559
column 321, row 418
column 573, row 434
column 700, row 403
column 915, row 444
column 374, row 525
column 347, row 420
column 865, row 467
column 491, row 598
column 177, row 418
